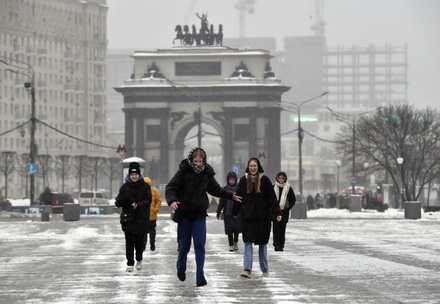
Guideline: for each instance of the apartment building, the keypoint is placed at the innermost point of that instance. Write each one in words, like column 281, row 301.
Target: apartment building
column 57, row 47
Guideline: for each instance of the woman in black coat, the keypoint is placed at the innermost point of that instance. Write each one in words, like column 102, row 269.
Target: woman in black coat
column 259, row 202
column 134, row 197
column 286, row 199
column 186, row 195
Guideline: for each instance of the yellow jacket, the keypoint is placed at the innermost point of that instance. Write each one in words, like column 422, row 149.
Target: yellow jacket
column 156, row 200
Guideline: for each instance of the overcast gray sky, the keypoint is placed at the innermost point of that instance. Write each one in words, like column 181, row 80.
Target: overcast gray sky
column 148, row 24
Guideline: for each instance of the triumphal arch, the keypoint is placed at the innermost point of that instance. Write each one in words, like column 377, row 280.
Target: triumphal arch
column 173, row 90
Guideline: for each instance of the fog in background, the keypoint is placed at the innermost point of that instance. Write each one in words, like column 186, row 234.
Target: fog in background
column 149, row 24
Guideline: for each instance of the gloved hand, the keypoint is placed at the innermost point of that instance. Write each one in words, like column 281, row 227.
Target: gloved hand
column 218, row 216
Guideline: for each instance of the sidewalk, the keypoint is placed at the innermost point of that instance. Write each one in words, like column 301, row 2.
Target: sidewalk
column 337, row 260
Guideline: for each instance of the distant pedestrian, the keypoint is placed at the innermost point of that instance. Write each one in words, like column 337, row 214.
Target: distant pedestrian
column 396, row 199
column 135, row 198
column 186, row 195
column 286, row 199
column 332, row 200
column 259, row 202
column 156, row 204
column 232, row 223
column 46, row 197
column 310, row 202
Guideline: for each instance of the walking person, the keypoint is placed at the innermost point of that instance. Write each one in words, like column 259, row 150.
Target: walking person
column 232, row 223
column 156, row 204
column 186, row 195
column 258, row 202
column 135, row 198
column 286, row 199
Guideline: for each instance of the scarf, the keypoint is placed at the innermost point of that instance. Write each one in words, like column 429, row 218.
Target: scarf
column 253, row 182
column 196, row 169
column 283, row 197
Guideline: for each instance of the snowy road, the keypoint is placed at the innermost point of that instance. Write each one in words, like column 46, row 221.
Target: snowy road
column 333, row 257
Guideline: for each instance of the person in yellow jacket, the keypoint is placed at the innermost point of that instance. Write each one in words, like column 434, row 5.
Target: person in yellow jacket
column 156, row 203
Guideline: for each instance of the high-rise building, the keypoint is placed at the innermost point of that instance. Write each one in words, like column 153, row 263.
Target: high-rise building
column 60, row 47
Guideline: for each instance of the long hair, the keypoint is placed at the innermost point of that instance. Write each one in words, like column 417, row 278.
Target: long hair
column 249, row 184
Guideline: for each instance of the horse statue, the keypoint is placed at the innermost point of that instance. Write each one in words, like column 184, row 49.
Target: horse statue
column 195, row 35
column 219, row 36
column 187, row 37
column 179, row 34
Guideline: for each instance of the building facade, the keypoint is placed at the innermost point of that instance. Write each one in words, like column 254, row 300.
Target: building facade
column 173, row 90
column 60, row 46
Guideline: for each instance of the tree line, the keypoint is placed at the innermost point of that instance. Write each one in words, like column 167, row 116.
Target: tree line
column 393, row 133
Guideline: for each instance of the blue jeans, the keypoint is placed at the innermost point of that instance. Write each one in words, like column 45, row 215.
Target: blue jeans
column 195, row 230
column 249, row 253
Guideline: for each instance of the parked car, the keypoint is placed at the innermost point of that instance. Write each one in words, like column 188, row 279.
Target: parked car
column 5, row 205
column 61, row 199
column 92, row 198
column 57, row 199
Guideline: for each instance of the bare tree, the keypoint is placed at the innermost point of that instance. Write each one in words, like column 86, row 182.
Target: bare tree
column 397, row 131
column 113, row 170
column 44, row 162
column 7, row 166
column 63, row 164
column 80, row 164
column 97, row 163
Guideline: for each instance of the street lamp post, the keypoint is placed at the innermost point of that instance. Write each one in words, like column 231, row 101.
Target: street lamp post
column 344, row 117
column 30, row 86
column 338, row 164
column 198, row 114
column 297, row 109
column 400, row 162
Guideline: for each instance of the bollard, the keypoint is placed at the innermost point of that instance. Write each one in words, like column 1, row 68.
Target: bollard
column 413, row 210
column 71, row 212
column 355, row 203
column 45, row 216
column 299, row 211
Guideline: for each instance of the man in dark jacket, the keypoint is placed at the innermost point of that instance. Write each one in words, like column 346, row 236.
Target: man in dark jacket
column 135, row 198
column 186, row 195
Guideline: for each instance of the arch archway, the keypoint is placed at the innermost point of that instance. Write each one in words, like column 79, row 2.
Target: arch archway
column 244, row 111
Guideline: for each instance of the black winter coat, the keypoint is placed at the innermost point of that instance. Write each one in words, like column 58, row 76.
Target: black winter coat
column 189, row 188
column 139, row 192
column 290, row 202
column 256, row 210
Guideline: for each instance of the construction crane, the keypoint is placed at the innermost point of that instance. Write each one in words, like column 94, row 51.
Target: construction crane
column 244, row 6
column 319, row 25
column 189, row 12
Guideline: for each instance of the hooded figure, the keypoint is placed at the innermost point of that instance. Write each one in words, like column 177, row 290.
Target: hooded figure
column 156, row 204
column 258, row 203
column 134, row 198
column 186, row 195
column 286, row 199
column 232, row 224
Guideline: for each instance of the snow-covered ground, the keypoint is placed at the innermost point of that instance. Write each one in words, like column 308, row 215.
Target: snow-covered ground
column 334, row 256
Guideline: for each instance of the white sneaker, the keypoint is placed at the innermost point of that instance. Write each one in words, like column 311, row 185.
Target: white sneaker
column 231, row 248
column 138, row 265
column 235, row 246
column 129, row 269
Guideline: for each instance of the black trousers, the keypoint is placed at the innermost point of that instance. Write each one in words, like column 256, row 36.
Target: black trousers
column 152, row 233
column 279, row 233
column 133, row 242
